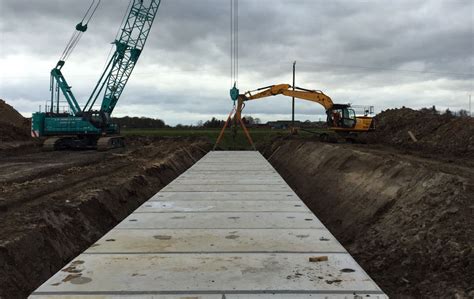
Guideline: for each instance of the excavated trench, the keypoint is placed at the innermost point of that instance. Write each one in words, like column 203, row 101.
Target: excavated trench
column 406, row 220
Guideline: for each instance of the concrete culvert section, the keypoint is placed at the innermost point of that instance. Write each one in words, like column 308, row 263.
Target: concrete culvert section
column 217, row 238
column 407, row 220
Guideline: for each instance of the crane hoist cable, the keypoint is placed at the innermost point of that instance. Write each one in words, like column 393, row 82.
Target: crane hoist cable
column 80, row 29
column 232, row 119
column 234, row 59
column 234, row 41
column 234, row 50
column 236, row 35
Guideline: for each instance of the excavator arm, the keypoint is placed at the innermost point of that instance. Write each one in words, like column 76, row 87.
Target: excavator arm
column 316, row 96
column 340, row 117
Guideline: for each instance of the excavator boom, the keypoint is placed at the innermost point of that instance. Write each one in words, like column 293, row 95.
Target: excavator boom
column 286, row 89
column 316, row 96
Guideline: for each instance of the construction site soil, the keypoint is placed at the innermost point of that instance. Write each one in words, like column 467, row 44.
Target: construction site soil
column 13, row 126
column 434, row 133
column 406, row 219
column 54, row 205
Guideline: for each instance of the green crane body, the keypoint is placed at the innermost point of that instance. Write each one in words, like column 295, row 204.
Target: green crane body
column 82, row 128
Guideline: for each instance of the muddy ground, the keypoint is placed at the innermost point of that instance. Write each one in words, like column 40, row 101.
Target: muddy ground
column 54, row 205
column 405, row 218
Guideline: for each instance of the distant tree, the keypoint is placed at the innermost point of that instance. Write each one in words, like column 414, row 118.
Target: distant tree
column 249, row 120
column 213, row 123
column 463, row 113
column 425, row 110
column 431, row 110
column 200, row 123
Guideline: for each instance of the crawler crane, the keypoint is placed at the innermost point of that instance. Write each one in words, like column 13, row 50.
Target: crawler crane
column 90, row 127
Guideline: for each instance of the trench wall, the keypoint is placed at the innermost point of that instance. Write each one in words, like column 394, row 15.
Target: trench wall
column 408, row 223
column 61, row 234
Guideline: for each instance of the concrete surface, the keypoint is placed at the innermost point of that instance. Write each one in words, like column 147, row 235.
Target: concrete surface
column 229, row 227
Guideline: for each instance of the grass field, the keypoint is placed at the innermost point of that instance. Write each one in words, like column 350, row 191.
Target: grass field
column 228, row 142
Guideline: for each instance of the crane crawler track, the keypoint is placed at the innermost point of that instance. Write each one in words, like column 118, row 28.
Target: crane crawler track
column 110, row 142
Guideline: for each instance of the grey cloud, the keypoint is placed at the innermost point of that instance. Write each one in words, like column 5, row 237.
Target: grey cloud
column 365, row 50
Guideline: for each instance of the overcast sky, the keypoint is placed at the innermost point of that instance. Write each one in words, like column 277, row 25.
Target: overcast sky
column 382, row 53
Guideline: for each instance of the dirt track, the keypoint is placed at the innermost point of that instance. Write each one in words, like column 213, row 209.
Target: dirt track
column 407, row 220
column 54, row 205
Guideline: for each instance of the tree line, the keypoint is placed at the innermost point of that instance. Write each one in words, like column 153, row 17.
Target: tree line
column 155, row 123
column 447, row 112
column 139, row 122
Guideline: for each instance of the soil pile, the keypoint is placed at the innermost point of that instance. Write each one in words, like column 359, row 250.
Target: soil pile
column 435, row 133
column 406, row 220
column 13, row 126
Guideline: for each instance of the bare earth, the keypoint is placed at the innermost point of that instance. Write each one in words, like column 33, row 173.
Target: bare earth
column 54, row 205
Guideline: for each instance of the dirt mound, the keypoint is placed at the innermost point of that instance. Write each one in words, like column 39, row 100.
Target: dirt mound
column 435, row 133
column 13, row 126
column 406, row 220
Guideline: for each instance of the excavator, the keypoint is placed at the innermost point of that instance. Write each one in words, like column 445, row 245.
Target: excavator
column 341, row 118
column 90, row 127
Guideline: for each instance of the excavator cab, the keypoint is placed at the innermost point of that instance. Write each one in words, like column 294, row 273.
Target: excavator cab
column 341, row 116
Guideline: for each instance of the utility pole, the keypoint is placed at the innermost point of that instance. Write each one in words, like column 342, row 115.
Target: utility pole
column 470, row 113
column 293, row 102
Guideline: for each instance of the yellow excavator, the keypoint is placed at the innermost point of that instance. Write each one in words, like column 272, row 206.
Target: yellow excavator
column 341, row 118
column 342, row 121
